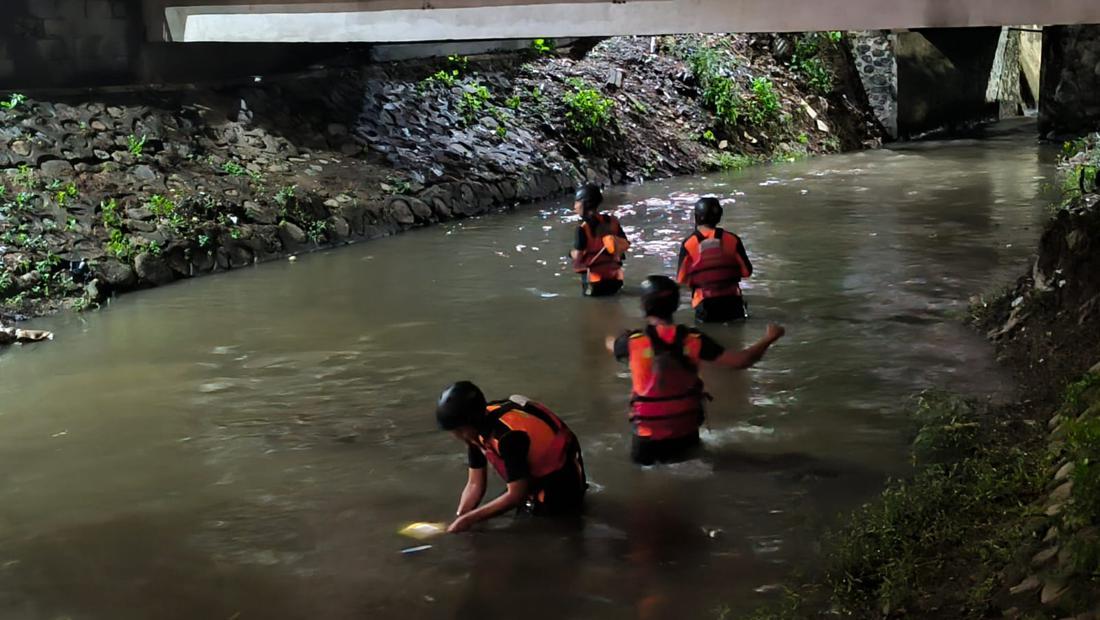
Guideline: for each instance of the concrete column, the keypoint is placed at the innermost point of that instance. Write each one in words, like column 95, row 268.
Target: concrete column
column 1070, row 94
column 873, row 52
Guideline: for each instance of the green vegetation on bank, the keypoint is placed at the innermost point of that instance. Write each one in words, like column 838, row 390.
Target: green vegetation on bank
column 1080, row 518
column 1080, row 165
column 935, row 544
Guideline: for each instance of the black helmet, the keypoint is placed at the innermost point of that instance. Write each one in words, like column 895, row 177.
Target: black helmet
column 589, row 196
column 708, row 212
column 660, row 297
column 461, row 404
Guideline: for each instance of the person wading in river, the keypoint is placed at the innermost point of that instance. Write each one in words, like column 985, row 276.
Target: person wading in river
column 666, row 406
column 529, row 446
column 712, row 263
column 599, row 246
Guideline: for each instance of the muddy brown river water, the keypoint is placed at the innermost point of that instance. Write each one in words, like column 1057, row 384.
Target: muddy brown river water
column 246, row 446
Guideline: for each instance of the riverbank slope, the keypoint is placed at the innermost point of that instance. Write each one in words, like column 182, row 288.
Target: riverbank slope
column 1002, row 517
column 109, row 193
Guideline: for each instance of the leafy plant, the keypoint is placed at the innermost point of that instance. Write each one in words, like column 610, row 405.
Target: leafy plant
column 543, row 46
column 232, row 168
column 66, row 195
column 806, row 59
column 24, row 177
column 118, row 245
column 1080, row 166
column 108, row 212
column 286, row 194
column 763, row 106
column 719, row 91
column 513, row 102
column 397, row 185
column 317, row 230
column 14, row 101
column 204, row 241
column 135, row 145
column 708, row 137
column 588, row 113
column 473, row 101
column 161, row 206
column 456, row 68
column 154, row 248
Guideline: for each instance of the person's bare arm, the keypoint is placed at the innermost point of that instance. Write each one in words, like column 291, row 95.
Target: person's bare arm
column 753, row 354
column 514, row 496
column 474, row 491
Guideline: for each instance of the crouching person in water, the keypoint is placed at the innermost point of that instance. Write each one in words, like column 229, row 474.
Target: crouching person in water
column 529, row 446
column 712, row 263
column 599, row 247
column 666, row 406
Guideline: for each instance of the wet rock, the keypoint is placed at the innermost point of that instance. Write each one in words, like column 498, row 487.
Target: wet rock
column 21, row 148
column 1031, row 582
column 1062, row 493
column 261, row 213
column 202, row 261
column 1053, row 590
column 402, row 212
column 1044, row 556
column 56, row 169
column 239, row 256
column 143, row 173
column 291, row 234
column 340, row 228
column 153, row 269
column 1063, row 472
column 115, row 274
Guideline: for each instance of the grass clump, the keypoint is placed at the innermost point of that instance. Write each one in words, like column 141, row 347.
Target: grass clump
column 935, row 544
column 1081, row 516
column 588, row 113
column 807, row 61
column 1080, row 166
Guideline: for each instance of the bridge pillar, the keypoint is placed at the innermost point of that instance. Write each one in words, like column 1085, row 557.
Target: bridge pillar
column 1070, row 97
column 873, row 52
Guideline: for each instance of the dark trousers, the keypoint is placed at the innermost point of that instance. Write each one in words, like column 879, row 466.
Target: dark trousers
column 561, row 492
column 645, row 451
column 603, row 288
column 721, row 309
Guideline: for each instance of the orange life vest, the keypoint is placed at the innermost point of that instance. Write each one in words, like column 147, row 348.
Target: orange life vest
column 713, row 266
column 550, row 438
column 667, row 401
column 602, row 257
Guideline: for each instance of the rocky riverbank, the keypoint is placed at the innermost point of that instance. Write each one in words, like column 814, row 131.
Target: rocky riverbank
column 108, row 193
column 1002, row 517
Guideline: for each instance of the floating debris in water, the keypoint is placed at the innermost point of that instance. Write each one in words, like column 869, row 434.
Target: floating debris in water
column 416, row 549
column 422, row 530
column 292, row 258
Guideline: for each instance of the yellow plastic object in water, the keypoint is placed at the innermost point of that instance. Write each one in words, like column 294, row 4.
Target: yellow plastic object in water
column 423, row 531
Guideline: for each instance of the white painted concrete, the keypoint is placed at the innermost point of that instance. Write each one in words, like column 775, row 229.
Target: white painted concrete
column 447, row 20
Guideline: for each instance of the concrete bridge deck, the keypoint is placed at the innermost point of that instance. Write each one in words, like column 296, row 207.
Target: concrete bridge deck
column 379, row 21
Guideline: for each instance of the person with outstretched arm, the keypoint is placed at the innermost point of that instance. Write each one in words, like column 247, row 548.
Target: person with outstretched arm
column 666, row 405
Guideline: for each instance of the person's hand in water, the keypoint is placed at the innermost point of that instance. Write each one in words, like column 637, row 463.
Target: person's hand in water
column 459, row 525
column 774, row 332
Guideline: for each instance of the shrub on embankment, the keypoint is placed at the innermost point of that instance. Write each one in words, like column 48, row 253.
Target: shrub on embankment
column 105, row 193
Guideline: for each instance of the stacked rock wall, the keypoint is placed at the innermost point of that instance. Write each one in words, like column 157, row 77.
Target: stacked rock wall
column 873, row 52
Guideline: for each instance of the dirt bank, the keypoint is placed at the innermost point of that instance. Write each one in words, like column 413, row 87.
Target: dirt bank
column 107, row 194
